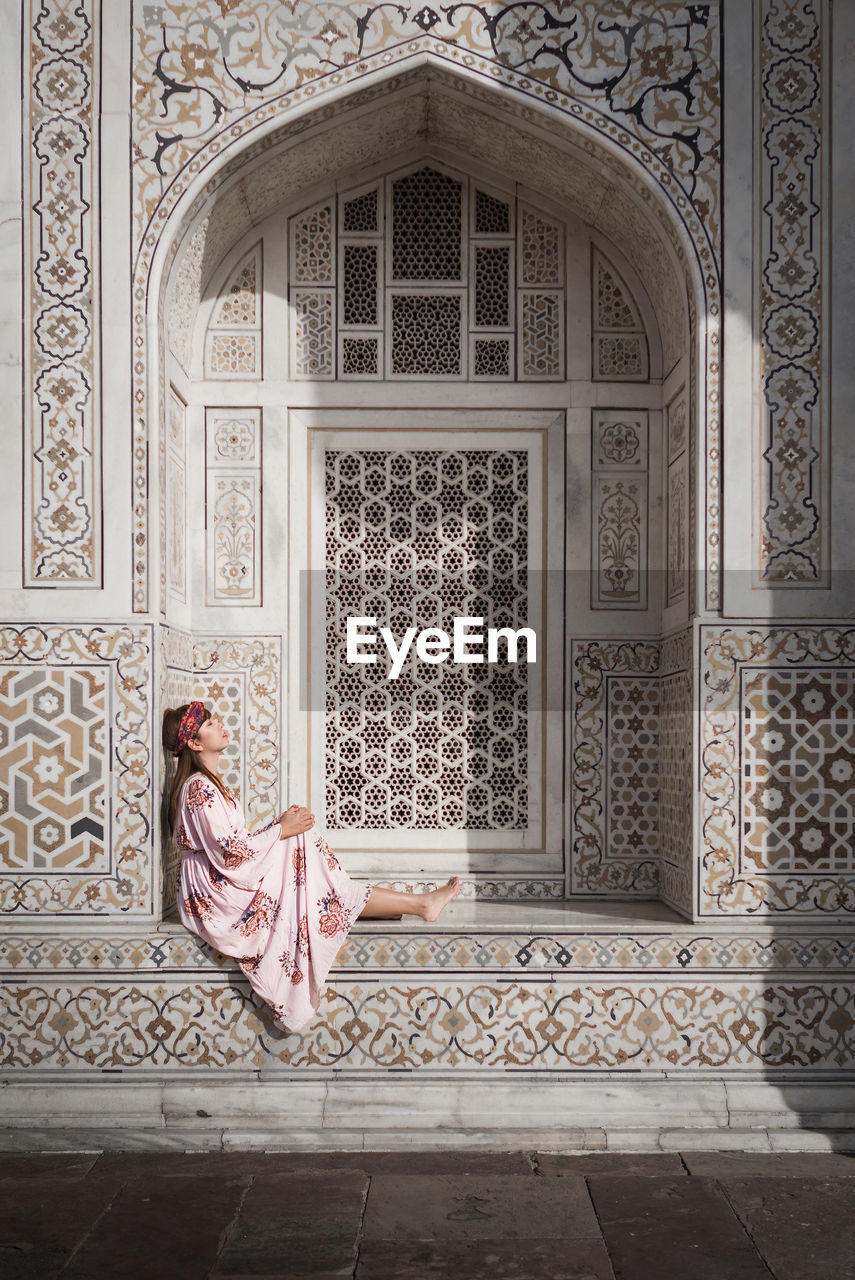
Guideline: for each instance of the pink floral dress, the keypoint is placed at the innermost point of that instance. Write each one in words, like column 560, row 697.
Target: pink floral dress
column 281, row 907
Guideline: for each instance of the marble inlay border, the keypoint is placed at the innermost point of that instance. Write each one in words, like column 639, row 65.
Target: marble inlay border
column 791, row 76
column 630, row 1024
column 596, row 664
column 405, row 951
column 126, row 653
column 200, row 86
column 62, row 478
column 728, row 886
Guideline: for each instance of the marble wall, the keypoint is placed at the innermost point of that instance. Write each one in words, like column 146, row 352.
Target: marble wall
column 709, row 702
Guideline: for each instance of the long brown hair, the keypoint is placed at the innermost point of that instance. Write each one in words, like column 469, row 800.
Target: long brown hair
column 188, row 762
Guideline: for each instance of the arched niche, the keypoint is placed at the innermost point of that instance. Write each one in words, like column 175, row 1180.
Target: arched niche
column 230, row 243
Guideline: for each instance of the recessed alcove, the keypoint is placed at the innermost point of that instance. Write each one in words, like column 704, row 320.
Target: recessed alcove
column 302, row 349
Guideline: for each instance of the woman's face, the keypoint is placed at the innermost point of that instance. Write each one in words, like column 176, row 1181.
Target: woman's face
column 211, row 735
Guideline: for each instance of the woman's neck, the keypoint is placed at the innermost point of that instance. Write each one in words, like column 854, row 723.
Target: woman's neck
column 210, row 760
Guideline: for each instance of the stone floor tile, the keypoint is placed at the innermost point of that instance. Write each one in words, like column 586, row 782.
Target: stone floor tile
column 453, row 1207
column 297, row 1224
column 679, row 1228
column 158, row 1228
column 43, row 1223
column 17, row 1167
column 472, row 1163
column 783, row 1164
column 122, row 1165
column 637, row 1164
column 485, row 1260
column 803, row 1227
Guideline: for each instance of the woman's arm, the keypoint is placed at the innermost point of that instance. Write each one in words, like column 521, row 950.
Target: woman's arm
column 209, row 824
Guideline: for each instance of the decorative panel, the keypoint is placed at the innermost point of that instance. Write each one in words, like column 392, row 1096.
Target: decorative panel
column 417, row 537
column 615, row 771
column 312, row 247
column 180, row 1024
column 233, row 514
column 688, row 950
column 619, row 500
column 313, row 333
column 676, row 821
column 62, row 477
column 798, row 770
column 426, row 335
column 541, row 250
column 176, row 496
column 406, row 288
column 75, row 760
column 620, row 343
column 542, row 337
column 792, row 163
column 677, row 498
column 427, row 215
column 777, row 727
column 233, row 339
column 55, row 761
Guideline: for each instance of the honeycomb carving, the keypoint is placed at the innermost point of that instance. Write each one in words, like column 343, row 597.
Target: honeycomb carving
column 359, row 356
column 360, row 213
column 492, row 286
column 365, row 304
column 492, row 216
column 426, row 333
column 492, row 358
column 360, row 285
column 418, row 537
column 426, row 227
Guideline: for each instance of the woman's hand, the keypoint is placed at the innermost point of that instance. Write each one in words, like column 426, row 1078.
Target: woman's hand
column 296, row 820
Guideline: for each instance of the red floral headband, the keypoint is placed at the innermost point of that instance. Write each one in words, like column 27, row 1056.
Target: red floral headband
column 189, row 726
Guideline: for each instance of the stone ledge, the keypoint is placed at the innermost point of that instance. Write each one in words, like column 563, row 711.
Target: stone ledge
column 405, row 1113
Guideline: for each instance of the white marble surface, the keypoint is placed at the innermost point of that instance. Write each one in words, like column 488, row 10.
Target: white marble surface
column 395, row 1112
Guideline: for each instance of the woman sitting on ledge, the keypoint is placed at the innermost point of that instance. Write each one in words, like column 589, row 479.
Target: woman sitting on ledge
column 277, row 900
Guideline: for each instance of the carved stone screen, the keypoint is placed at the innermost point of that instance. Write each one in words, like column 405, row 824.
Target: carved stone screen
column 415, row 530
column 425, row 274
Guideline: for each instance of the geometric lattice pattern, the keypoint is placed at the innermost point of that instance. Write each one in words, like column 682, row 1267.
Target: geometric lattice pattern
column 620, row 344
column 75, row 727
column 53, row 768
column 676, row 714
column 415, row 538
column 633, row 767
column 615, row 771
column 364, row 305
column 777, row 826
column 799, row 770
column 233, row 340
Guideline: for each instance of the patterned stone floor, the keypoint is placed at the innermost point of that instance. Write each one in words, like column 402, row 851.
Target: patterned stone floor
column 412, row 1216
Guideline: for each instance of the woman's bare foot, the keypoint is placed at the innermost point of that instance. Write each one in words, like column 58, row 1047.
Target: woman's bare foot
column 437, row 901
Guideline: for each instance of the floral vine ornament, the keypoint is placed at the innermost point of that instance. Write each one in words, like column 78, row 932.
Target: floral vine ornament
column 200, row 68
